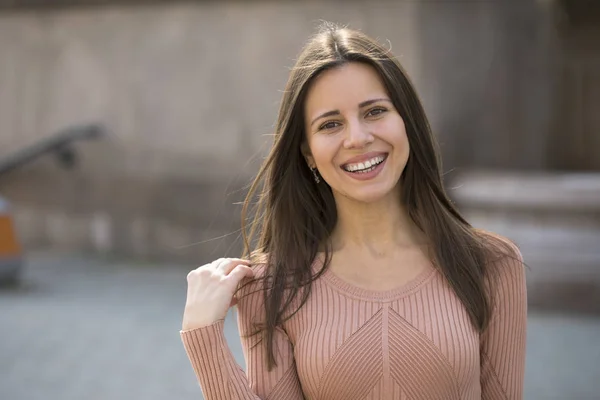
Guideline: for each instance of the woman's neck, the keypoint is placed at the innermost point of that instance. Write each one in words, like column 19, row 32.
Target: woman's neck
column 381, row 227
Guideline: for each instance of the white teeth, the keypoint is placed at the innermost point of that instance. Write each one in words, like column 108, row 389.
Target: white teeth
column 364, row 166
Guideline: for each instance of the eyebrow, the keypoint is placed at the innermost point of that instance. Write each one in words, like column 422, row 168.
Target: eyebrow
column 337, row 112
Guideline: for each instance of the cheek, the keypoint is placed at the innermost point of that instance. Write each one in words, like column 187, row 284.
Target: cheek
column 403, row 142
column 397, row 135
column 324, row 150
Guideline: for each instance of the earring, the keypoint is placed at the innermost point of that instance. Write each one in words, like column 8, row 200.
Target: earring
column 316, row 175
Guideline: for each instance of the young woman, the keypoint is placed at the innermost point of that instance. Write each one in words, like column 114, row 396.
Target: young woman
column 364, row 282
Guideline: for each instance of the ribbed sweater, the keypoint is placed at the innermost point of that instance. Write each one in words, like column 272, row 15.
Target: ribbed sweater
column 414, row 342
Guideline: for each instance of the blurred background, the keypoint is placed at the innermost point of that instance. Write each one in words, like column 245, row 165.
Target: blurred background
column 130, row 129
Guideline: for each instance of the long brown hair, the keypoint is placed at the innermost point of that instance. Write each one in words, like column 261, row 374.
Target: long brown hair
column 293, row 216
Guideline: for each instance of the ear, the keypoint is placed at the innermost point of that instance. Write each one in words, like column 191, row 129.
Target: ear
column 307, row 154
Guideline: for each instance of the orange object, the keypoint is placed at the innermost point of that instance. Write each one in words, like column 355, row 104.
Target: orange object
column 10, row 247
column 9, row 244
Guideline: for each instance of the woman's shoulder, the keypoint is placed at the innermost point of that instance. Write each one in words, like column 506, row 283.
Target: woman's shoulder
column 505, row 261
column 500, row 247
column 250, row 285
column 250, row 299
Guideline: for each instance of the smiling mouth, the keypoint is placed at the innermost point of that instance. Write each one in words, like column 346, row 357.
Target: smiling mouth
column 365, row 166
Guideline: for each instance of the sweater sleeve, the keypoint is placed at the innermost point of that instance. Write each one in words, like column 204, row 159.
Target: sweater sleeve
column 218, row 373
column 503, row 342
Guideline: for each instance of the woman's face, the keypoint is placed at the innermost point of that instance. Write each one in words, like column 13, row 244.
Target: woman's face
column 354, row 135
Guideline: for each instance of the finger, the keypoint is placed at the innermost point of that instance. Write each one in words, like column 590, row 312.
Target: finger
column 221, row 263
column 230, row 263
column 214, row 263
column 239, row 272
column 240, row 261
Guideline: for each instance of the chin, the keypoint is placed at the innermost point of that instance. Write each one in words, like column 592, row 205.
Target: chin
column 371, row 195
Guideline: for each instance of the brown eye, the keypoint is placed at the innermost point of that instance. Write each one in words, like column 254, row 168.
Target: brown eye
column 329, row 125
column 376, row 111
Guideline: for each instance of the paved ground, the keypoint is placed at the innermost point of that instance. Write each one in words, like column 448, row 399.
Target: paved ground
column 100, row 330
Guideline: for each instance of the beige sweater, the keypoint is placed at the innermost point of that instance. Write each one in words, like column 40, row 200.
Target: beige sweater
column 346, row 343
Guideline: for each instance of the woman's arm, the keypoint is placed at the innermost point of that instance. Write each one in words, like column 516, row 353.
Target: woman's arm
column 503, row 342
column 218, row 373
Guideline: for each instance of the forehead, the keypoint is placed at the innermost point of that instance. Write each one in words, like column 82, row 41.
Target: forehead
column 343, row 87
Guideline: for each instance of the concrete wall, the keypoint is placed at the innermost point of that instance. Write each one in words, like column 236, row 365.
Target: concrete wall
column 184, row 80
column 189, row 93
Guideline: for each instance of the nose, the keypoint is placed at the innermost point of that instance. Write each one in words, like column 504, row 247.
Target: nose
column 357, row 135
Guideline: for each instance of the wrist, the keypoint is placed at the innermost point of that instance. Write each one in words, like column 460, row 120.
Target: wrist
column 190, row 325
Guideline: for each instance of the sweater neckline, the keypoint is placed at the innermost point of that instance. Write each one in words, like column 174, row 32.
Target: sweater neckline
column 352, row 290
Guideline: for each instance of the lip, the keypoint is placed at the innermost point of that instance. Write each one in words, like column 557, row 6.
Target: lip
column 364, row 157
column 365, row 176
